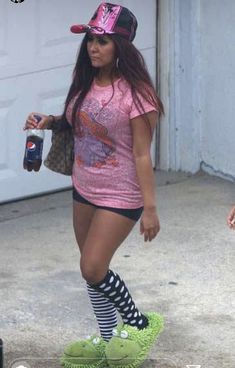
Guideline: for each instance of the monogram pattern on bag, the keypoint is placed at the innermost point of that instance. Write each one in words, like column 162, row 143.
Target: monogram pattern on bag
column 60, row 157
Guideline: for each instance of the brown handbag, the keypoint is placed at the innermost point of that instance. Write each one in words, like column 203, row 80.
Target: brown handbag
column 61, row 154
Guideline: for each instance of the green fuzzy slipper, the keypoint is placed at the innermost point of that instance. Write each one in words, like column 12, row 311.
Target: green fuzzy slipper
column 129, row 346
column 87, row 353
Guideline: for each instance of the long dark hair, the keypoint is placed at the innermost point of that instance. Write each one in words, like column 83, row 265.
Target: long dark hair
column 131, row 66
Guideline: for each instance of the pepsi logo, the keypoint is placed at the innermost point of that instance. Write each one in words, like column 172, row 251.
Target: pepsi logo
column 31, row 146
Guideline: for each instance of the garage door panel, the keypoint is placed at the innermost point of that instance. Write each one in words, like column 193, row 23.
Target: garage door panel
column 52, row 36
column 3, row 138
column 41, row 92
column 19, row 33
column 37, row 56
column 33, row 39
column 7, row 139
column 3, row 34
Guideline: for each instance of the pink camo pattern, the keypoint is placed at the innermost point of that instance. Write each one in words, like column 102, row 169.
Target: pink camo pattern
column 106, row 18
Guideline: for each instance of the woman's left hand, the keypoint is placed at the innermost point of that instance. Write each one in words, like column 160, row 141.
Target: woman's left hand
column 149, row 224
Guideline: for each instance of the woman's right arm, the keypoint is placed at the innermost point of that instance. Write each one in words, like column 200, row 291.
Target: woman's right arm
column 45, row 123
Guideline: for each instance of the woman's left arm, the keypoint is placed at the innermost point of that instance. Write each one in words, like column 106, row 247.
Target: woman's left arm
column 142, row 137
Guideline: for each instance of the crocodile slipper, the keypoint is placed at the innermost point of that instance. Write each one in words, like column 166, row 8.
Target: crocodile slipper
column 87, row 353
column 129, row 346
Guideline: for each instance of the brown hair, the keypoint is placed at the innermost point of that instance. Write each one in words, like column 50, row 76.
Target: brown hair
column 131, row 66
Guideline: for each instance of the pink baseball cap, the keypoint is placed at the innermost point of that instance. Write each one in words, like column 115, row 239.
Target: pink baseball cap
column 110, row 19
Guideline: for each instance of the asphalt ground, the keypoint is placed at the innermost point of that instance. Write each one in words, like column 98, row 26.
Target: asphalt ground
column 186, row 274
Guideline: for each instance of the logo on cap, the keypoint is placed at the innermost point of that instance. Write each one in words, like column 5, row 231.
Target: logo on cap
column 17, row 1
column 110, row 19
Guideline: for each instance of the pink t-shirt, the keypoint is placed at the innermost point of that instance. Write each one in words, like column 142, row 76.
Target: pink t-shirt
column 104, row 170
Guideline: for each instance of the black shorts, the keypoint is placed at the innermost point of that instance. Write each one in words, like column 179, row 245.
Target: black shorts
column 131, row 213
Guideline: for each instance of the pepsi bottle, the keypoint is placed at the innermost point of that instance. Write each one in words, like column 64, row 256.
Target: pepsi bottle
column 33, row 148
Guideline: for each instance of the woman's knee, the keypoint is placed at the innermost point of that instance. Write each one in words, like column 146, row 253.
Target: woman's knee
column 92, row 272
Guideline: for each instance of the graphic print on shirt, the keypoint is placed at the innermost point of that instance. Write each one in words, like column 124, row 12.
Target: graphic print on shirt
column 94, row 148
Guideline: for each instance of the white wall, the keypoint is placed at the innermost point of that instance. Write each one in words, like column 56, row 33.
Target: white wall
column 179, row 85
column 197, row 58
column 218, row 86
column 37, row 55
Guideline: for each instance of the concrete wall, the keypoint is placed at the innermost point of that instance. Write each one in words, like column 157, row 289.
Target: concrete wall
column 218, row 86
column 197, row 58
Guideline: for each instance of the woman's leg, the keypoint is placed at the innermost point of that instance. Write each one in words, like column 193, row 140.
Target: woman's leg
column 104, row 311
column 106, row 233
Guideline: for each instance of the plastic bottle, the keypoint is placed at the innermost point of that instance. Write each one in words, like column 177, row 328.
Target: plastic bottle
column 33, row 148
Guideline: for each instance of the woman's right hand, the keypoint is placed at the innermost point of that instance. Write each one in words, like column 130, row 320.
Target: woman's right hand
column 32, row 123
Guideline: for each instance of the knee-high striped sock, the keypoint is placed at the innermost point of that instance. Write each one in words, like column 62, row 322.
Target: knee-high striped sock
column 114, row 288
column 105, row 312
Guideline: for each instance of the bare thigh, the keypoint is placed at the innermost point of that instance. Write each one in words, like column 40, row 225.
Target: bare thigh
column 106, row 233
column 82, row 217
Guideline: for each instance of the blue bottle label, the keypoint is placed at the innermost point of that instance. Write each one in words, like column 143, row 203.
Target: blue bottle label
column 33, row 151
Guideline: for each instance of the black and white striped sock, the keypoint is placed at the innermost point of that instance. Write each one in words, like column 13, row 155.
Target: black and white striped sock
column 114, row 288
column 105, row 312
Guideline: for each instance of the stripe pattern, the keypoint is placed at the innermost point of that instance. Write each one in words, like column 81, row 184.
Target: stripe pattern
column 105, row 312
column 114, row 289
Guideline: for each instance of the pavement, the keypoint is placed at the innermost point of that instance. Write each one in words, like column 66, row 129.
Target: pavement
column 186, row 274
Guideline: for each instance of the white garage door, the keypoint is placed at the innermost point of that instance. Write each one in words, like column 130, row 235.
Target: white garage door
column 37, row 54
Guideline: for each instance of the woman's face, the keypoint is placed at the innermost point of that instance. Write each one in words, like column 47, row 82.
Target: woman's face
column 101, row 50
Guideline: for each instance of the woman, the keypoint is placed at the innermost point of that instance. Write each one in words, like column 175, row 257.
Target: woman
column 113, row 109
